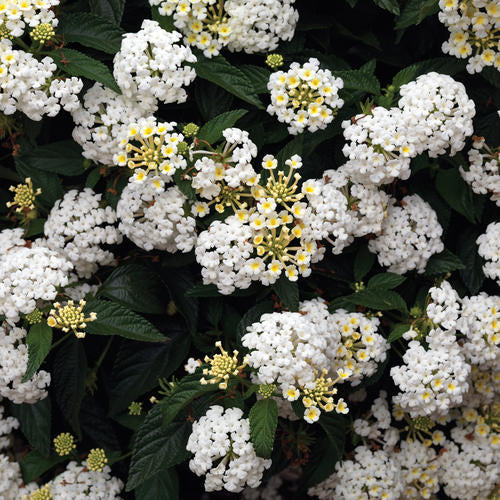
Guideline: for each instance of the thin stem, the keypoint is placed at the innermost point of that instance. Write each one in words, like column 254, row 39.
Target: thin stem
column 61, row 340
column 22, row 44
column 103, row 354
column 123, row 457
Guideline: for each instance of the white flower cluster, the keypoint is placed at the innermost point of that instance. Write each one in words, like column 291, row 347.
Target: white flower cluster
column 305, row 96
column 80, row 483
column 296, row 350
column 151, row 63
column 345, row 209
column 30, row 86
column 77, row 226
column 16, row 15
column 434, row 115
column 152, row 217
column 410, row 235
column 489, row 250
column 28, row 274
column 223, row 436
column 473, row 27
column 469, row 468
column 102, row 120
column 370, row 474
column 434, row 380
column 483, row 173
column 13, row 364
column 240, row 25
column 480, row 324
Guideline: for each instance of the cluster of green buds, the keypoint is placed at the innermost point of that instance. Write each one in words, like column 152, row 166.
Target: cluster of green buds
column 24, row 197
column 5, row 32
column 222, row 366
column 43, row 33
column 96, row 459
column 34, row 317
column 70, row 318
column 42, row 493
column 64, row 444
column 274, row 61
column 135, row 408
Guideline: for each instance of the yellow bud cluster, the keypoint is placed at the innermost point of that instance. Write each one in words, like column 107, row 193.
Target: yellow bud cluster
column 70, row 317
column 222, row 366
column 135, row 408
column 24, row 197
column 42, row 493
column 43, row 33
column 64, row 444
column 96, row 459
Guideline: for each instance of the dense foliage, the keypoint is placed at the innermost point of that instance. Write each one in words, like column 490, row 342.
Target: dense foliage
column 250, row 249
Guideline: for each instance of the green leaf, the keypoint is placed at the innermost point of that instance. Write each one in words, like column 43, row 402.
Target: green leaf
column 91, row 30
column 294, row 147
column 34, row 464
column 377, row 298
column 335, row 427
column 39, row 340
column 166, row 22
column 75, row 63
column 156, row 448
column 97, row 425
column 212, row 130
column 63, row 157
column 258, row 75
column 68, row 380
column 457, row 193
column 363, row 262
column 35, row 228
column 185, row 391
column 415, row 11
column 252, row 316
column 288, row 293
column 219, row 71
column 115, row 319
column 359, row 80
column 162, row 486
column 385, row 281
column 109, row 9
column 443, row 263
column 263, row 418
column 397, row 332
column 391, row 5
column 35, row 420
column 472, row 273
column 137, row 368
column 136, row 287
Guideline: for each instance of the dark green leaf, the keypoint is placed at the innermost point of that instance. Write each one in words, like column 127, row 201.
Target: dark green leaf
column 359, row 80
column 391, row 5
column 63, row 157
column 456, row 192
column 415, row 11
column 335, row 427
column 184, row 392
column 39, row 340
column 35, row 420
column 288, row 293
column 219, row 71
column 442, row 263
column 363, row 262
column 75, row 63
column 166, row 22
column 136, row 287
column 97, row 425
column 115, row 319
column 91, row 30
column 68, row 380
column 211, row 99
column 110, row 9
column 212, row 130
column 162, row 486
column 397, row 332
column 157, row 448
column 472, row 273
column 263, row 418
column 35, row 228
column 137, row 368
column 294, row 147
column 258, row 75
column 34, row 464
column 378, row 298
column 385, row 281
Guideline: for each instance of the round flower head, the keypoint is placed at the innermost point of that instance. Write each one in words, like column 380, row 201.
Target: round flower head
column 483, row 171
column 16, row 16
column 241, row 25
column 305, row 97
column 410, row 235
column 222, row 437
column 24, row 196
column 70, row 317
column 473, row 28
column 77, row 226
column 64, row 444
column 152, row 217
column 152, row 63
column 489, row 250
column 150, row 146
column 102, row 119
column 96, row 459
column 439, row 113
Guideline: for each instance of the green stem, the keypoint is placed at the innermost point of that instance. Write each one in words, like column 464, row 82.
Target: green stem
column 123, row 457
column 22, row 44
column 61, row 340
column 103, row 354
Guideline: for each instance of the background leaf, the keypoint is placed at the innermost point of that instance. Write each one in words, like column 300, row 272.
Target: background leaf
column 39, row 340
column 212, row 130
column 263, row 422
